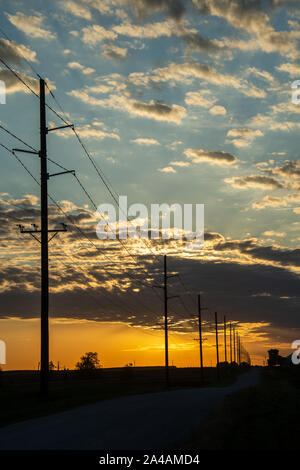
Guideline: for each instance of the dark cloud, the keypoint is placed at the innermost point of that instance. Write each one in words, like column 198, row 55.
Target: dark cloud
column 14, row 53
column 252, row 248
column 14, row 85
column 226, row 287
column 173, row 8
column 211, row 156
column 159, row 111
column 264, row 182
column 195, row 41
column 246, row 280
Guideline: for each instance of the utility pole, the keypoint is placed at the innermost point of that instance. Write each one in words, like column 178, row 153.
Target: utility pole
column 166, row 298
column 44, row 246
column 44, row 240
column 234, row 351
column 239, row 350
column 217, row 345
column 225, row 350
column 166, row 322
column 230, row 341
column 200, row 337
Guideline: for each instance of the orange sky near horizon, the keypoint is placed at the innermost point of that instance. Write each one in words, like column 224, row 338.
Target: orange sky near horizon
column 117, row 344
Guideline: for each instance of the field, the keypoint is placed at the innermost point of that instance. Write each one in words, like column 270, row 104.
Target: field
column 266, row 417
column 20, row 398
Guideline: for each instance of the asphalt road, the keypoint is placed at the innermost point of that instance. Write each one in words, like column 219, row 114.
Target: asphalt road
column 138, row 422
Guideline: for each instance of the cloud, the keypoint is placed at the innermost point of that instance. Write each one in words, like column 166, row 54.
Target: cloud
column 76, row 9
column 15, row 53
column 145, row 141
column 205, row 45
column 292, row 69
column 90, row 132
column 173, row 8
column 253, row 19
column 180, row 164
column 114, row 52
column 254, row 181
column 167, row 169
column 273, row 233
column 31, row 25
column 260, row 74
column 152, row 110
column 13, row 85
column 78, row 66
column 229, row 269
column 147, row 31
column 290, row 169
column 93, row 35
column 216, row 157
column 200, row 98
column 274, row 202
column 269, row 122
column 243, row 137
column 157, row 110
column 188, row 72
column 218, row 111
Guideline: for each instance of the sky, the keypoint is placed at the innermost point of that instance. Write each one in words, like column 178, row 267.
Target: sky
column 175, row 102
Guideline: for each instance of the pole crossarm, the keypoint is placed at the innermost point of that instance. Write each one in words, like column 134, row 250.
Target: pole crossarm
column 61, row 173
column 60, row 127
column 25, row 151
column 35, row 230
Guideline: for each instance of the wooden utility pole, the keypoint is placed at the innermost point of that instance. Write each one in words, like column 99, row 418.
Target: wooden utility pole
column 166, row 298
column 234, row 349
column 44, row 245
column 166, row 322
column 230, row 341
column 225, row 345
column 200, row 337
column 239, row 350
column 217, row 345
column 44, row 241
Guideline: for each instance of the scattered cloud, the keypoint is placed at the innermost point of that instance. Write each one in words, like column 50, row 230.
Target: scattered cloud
column 292, row 69
column 78, row 66
column 254, row 181
column 200, row 98
column 114, row 52
column 89, row 131
column 76, row 9
column 273, row 233
column 167, row 169
column 218, row 111
column 145, row 141
column 243, row 137
column 180, row 164
column 31, row 25
column 216, row 157
column 15, row 53
column 153, row 110
column 93, row 35
column 13, row 85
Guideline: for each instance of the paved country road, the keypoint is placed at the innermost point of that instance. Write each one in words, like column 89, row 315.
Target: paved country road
column 137, row 422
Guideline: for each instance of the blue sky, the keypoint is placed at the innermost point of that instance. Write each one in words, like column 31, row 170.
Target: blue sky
column 184, row 101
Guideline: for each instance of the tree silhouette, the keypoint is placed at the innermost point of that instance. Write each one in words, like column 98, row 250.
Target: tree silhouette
column 89, row 361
